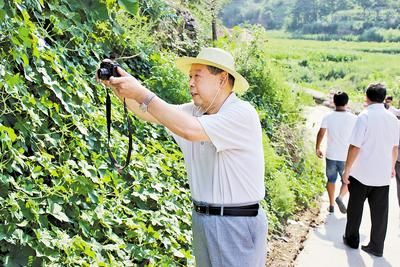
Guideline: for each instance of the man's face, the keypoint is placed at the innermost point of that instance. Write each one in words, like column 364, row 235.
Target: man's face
column 203, row 85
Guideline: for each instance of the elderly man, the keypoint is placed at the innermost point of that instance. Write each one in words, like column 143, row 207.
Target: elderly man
column 221, row 139
column 370, row 164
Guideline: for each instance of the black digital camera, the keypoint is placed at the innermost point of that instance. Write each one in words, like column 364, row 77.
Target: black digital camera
column 107, row 69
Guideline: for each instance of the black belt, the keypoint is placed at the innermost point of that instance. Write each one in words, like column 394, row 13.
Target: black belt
column 247, row 211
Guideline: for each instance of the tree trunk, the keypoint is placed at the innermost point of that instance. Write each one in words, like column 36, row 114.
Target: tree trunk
column 214, row 29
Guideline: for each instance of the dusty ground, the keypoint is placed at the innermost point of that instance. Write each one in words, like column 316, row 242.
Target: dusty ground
column 283, row 249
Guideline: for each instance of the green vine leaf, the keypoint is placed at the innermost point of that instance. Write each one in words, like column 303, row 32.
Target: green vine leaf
column 10, row 132
column 132, row 6
column 56, row 210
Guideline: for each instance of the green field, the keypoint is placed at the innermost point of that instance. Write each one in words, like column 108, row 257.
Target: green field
column 338, row 65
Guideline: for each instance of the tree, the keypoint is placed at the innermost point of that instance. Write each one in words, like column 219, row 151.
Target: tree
column 379, row 5
column 215, row 6
column 304, row 12
column 365, row 4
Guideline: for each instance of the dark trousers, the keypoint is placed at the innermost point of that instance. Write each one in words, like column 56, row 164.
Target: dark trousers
column 398, row 180
column 378, row 200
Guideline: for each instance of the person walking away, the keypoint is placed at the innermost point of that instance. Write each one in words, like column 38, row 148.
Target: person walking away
column 369, row 166
column 338, row 125
column 221, row 139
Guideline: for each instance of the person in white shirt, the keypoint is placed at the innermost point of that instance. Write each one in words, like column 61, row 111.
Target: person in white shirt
column 389, row 106
column 396, row 112
column 398, row 176
column 221, row 139
column 338, row 126
column 369, row 166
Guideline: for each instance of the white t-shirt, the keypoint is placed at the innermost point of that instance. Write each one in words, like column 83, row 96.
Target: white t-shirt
column 230, row 169
column 376, row 132
column 339, row 125
column 394, row 110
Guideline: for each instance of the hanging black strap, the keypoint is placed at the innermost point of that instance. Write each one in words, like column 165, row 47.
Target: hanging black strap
column 130, row 132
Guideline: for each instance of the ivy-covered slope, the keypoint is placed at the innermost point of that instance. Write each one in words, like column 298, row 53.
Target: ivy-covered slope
column 61, row 204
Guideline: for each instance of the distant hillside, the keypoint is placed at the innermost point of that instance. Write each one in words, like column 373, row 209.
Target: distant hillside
column 364, row 20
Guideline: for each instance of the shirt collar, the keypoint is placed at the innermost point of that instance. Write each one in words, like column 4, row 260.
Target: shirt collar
column 376, row 106
column 232, row 98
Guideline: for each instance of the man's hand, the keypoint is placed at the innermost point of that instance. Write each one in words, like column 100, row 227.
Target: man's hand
column 393, row 172
column 345, row 177
column 127, row 86
column 320, row 136
column 319, row 153
column 129, row 89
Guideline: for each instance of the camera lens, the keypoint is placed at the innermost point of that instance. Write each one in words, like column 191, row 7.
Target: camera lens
column 103, row 74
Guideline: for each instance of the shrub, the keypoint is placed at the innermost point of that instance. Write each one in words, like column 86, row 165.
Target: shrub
column 167, row 81
column 390, row 35
column 371, row 35
column 319, row 27
column 334, row 73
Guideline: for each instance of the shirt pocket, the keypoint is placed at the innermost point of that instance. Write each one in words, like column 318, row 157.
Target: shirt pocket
column 207, row 147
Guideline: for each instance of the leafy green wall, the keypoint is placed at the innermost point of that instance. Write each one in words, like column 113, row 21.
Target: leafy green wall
column 60, row 201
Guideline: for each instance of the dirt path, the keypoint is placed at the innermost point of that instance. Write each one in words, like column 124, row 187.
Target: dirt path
column 284, row 249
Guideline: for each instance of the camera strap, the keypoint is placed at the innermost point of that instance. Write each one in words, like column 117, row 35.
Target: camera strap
column 130, row 132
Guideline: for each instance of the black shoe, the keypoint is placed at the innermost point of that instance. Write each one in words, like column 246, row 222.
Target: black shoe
column 370, row 251
column 346, row 242
column 331, row 209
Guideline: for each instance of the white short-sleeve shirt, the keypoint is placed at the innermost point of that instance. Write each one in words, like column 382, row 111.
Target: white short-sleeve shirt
column 395, row 111
column 339, row 125
column 230, row 169
column 376, row 133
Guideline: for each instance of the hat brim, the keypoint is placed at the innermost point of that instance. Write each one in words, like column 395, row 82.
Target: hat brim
column 184, row 64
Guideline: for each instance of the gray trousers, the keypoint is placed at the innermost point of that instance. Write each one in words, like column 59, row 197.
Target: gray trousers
column 228, row 241
column 398, row 180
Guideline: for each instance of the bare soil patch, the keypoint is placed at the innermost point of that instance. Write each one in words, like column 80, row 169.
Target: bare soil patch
column 284, row 248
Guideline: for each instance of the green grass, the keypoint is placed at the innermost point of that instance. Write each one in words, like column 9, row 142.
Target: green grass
column 326, row 65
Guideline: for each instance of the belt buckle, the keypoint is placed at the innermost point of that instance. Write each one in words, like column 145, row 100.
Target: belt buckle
column 197, row 208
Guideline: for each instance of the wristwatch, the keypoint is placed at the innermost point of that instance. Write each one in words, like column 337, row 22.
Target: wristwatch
column 146, row 102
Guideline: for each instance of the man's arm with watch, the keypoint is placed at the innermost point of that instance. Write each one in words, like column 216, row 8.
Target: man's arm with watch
column 134, row 106
column 147, row 106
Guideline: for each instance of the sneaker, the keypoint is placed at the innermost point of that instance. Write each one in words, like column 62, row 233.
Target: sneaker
column 331, row 209
column 341, row 205
column 370, row 251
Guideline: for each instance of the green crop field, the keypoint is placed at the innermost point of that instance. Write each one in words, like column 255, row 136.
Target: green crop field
column 338, row 65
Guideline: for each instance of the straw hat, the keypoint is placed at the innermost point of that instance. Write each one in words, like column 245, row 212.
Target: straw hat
column 218, row 58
